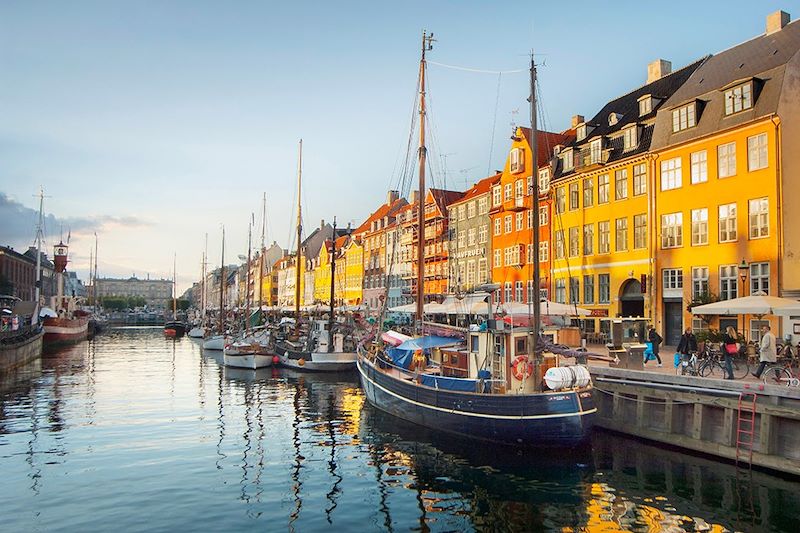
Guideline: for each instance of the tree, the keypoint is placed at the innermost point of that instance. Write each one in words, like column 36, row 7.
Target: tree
column 182, row 305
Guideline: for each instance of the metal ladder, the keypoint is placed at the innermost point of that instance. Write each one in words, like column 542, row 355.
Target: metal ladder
column 746, row 428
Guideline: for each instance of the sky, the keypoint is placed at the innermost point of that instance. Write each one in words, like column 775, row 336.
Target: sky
column 155, row 123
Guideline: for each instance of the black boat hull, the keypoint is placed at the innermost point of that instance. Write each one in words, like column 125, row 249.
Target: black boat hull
column 551, row 419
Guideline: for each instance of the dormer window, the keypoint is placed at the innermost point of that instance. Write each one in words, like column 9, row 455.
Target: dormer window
column 629, row 137
column 557, row 150
column 595, row 150
column 517, row 160
column 645, row 105
column 614, row 118
column 567, row 159
column 684, row 117
column 739, row 98
column 581, row 132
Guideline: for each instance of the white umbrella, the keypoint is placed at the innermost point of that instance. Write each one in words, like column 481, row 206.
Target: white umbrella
column 434, row 308
column 407, row 308
column 755, row 304
column 546, row 308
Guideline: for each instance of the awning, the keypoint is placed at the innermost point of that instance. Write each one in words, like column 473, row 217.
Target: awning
column 756, row 304
column 423, row 343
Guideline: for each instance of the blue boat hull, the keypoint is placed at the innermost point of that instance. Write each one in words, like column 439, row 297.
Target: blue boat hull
column 545, row 419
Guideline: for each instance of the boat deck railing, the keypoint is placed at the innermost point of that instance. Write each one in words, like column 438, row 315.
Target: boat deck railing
column 20, row 334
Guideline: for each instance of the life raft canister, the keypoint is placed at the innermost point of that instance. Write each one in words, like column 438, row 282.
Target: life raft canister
column 521, row 367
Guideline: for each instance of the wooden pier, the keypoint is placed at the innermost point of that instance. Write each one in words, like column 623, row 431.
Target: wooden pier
column 704, row 415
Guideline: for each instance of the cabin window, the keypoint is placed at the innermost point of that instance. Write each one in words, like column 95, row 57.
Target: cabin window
column 474, row 343
column 521, row 346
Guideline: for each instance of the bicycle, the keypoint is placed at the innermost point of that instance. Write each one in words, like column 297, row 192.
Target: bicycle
column 782, row 374
column 715, row 360
column 688, row 366
column 785, row 349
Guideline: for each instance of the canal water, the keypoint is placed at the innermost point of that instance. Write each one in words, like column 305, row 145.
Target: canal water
column 135, row 432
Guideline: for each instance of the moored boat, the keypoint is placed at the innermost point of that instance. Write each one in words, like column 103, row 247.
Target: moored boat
column 20, row 335
column 61, row 330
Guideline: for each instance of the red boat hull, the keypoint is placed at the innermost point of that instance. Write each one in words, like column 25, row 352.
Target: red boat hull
column 65, row 330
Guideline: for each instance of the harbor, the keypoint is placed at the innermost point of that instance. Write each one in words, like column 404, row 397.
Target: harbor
column 131, row 420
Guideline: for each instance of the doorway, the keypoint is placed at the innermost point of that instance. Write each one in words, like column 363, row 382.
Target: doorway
column 673, row 322
column 631, row 299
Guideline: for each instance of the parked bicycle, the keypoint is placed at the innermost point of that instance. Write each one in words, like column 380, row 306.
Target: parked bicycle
column 688, row 365
column 785, row 349
column 714, row 361
column 783, row 373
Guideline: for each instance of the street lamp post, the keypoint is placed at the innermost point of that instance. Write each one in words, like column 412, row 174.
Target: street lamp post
column 743, row 269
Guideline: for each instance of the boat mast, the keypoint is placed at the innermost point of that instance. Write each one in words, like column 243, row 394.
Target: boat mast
column 333, row 276
column 427, row 44
column 174, row 287
column 222, row 287
column 247, row 291
column 203, row 297
column 534, row 340
column 261, row 256
column 91, row 262
column 299, row 234
column 39, row 236
column 94, row 285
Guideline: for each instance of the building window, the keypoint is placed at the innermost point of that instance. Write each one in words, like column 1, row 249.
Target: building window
column 574, row 290
column 518, row 291
column 462, row 239
column 603, row 288
column 561, row 200
column 621, row 235
column 507, row 295
column 498, row 258
column 699, row 281
column 588, row 192
column 604, row 237
column 699, row 166
column 498, row 226
column 544, row 252
column 757, row 152
column 574, row 246
column 726, row 160
column 531, row 293
column 544, row 180
column 759, row 278
column 739, row 98
column 683, row 118
column 519, row 188
column 727, row 223
column 471, row 209
column 580, row 133
column 482, row 271
column 640, row 231
column 588, row 289
column 567, row 160
column 595, row 150
column 755, row 329
column 671, row 177
column 759, row 218
column 517, row 160
column 728, row 282
column 483, row 205
column 561, row 291
column 508, row 190
column 639, row 179
column 645, row 105
column 496, row 195
column 672, row 278
column 588, row 239
column 603, row 188
column 699, row 226
column 530, row 254
column 471, row 273
column 574, row 198
column 560, row 244
column 543, row 216
column 629, row 141
column 621, row 184
column 483, row 234
column 508, row 224
column 520, row 221
column 672, row 230
column 471, row 236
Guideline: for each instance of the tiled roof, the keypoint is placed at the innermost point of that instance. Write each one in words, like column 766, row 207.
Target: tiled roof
column 546, row 141
column 382, row 211
column 443, row 198
column 482, row 187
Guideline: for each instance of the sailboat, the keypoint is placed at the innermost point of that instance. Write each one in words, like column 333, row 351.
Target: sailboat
column 328, row 345
column 174, row 327
column 217, row 341
column 501, row 385
column 198, row 331
column 252, row 348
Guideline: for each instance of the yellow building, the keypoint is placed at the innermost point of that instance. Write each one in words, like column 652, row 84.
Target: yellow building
column 600, row 244
column 721, row 179
column 353, row 255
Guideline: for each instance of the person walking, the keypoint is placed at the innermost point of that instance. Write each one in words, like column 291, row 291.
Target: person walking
column 655, row 340
column 730, row 347
column 767, row 350
column 687, row 344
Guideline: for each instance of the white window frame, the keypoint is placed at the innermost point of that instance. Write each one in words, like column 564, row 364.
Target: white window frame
column 727, row 222
column 483, row 234
column 483, row 205
column 544, row 251
column 758, row 218
column 728, row 282
column 472, row 209
column 568, row 160
column 699, row 166
column 544, row 216
column 640, row 231
column 604, row 237
column 726, row 160
column 621, row 234
column 498, row 258
column 671, row 230
column 672, row 279
column 604, row 288
column 739, row 98
column 757, row 155
column 629, row 137
column 645, row 105
column 559, row 237
column 561, row 199
column 519, row 220
column 684, row 117
column 671, row 174
column 497, row 195
column 498, row 226
column 699, row 281
column 621, row 184
column 517, row 163
column 603, row 189
column 574, row 241
column 508, row 191
column 700, row 226
column 588, row 192
column 588, row 288
column 544, row 180
column 639, row 179
column 508, row 224
column 759, row 278
column 519, row 188
column 588, row 239
column 574, row 196
column 595, row 150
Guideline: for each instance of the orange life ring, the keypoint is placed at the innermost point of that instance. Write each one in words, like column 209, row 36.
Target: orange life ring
column 521, row 372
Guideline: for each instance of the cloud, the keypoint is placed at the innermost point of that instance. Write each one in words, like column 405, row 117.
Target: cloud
column 18, row 227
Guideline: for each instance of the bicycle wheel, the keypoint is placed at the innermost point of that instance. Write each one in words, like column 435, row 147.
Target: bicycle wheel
column 777, row 375
column 707, row 368
column 741, row 369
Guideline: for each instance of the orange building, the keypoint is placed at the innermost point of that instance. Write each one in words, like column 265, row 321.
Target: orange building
column 512, row 217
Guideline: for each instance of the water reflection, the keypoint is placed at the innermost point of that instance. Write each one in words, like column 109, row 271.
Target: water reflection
column 133, row 421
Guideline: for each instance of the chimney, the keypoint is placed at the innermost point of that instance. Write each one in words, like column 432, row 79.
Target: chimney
column 392, row 197
column 414, row 197
column 658, row 69
column 776, row 21
column 576, row 119
column 322, row 223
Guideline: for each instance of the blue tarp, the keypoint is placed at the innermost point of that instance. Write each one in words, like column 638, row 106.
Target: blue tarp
column 455, row 384
column 431, row 341
column 401, row 358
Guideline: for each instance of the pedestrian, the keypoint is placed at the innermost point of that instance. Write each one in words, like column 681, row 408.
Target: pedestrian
column 767, row 351
column 655, row 340
column 730, row 347
column 687, row 344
